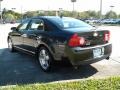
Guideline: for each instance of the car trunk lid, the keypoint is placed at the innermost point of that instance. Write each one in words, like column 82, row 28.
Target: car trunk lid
column 94, row 37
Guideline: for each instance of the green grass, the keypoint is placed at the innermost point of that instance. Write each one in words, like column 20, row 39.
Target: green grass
column 112, row 83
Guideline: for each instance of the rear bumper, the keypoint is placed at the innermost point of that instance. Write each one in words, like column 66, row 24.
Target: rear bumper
column 80, row 56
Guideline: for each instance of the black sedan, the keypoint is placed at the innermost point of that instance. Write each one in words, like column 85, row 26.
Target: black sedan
column 52, row 38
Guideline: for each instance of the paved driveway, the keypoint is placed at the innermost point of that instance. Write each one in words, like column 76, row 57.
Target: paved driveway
column 24, row 69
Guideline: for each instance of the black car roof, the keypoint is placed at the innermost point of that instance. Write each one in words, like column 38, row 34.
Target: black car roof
column 46, row 17
column 36, row 17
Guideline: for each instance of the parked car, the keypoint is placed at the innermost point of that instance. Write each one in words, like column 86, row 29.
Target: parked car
column 105, row 21
column 117, row 21
column 91, row 21
column 110, row 21
column 52, row 38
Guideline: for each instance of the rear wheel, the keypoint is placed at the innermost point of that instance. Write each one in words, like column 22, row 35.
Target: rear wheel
column 45, row 59
column 108, row 58
column 10, row 45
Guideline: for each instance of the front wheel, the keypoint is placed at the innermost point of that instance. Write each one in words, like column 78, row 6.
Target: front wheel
column 45, row 59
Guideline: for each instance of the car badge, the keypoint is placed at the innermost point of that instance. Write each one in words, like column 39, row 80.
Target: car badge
column 95, row 34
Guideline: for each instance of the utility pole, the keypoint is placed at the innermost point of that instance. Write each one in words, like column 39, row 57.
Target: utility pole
column 73, row 6
column 14, row 20
column 101, row 9
column 21, row 13
column 111, row 11
column 13, row 9
column 1, row 11
column 112, row 7
column 73, row 1
column 60, row 12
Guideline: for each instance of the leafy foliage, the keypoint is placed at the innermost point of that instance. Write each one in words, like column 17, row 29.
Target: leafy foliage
column 9, row 15
column 111, row 14
column 92, row 84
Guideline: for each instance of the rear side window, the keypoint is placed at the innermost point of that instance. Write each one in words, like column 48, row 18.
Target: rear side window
column 37, row 24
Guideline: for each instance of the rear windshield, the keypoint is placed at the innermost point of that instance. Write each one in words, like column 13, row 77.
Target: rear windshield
column 66, row 22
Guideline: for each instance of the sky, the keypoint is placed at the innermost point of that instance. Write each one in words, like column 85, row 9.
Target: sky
column 79, row 5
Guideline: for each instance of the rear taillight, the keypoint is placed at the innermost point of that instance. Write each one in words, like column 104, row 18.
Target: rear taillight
column 106, row 36
column 76, row 40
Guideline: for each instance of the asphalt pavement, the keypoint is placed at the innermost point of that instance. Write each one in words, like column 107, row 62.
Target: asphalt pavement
column 19, row 68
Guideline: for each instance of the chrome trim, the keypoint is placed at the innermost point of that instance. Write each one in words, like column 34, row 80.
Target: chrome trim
column 24, row 35
column 24, row 49
column 92, row 47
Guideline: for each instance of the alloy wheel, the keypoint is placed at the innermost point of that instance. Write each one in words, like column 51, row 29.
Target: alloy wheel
column 44, row 59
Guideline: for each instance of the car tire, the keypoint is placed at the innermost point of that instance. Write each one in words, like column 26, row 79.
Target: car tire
column 45, row 59
column 10, row 45
column 108, row 58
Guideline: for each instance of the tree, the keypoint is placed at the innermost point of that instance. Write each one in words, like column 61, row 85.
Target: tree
column 67, row 13
column 83, row 15
column 89, row 14
column 110, row 14
column 119, row 16
column 9, row 15
column 30, row 14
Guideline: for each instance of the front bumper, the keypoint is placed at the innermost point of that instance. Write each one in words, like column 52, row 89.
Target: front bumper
column 80, row 56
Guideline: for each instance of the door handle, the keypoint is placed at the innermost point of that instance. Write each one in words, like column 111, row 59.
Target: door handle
column 24, row 35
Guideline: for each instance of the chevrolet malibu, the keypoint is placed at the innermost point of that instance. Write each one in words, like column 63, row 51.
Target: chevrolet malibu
column 52, row 38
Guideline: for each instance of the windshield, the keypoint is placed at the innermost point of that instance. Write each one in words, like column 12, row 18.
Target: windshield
column 66, row 22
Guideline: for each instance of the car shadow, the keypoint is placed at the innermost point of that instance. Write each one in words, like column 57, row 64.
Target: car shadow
column 19, row 68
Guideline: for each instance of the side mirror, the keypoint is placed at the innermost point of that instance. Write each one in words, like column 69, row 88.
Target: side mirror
column 14, row 29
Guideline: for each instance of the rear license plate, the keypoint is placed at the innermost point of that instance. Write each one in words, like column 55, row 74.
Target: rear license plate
column 98, row 52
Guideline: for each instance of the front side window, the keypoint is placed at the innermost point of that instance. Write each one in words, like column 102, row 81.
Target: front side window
column 23, row 26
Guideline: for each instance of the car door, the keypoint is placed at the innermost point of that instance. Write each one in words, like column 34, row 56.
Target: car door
column 36, row 27
column 17, row 36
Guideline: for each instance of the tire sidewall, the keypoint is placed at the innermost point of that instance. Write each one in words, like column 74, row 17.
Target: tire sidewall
column 49, row 61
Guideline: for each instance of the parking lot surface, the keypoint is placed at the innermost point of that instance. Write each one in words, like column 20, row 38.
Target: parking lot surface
column 19, row 68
